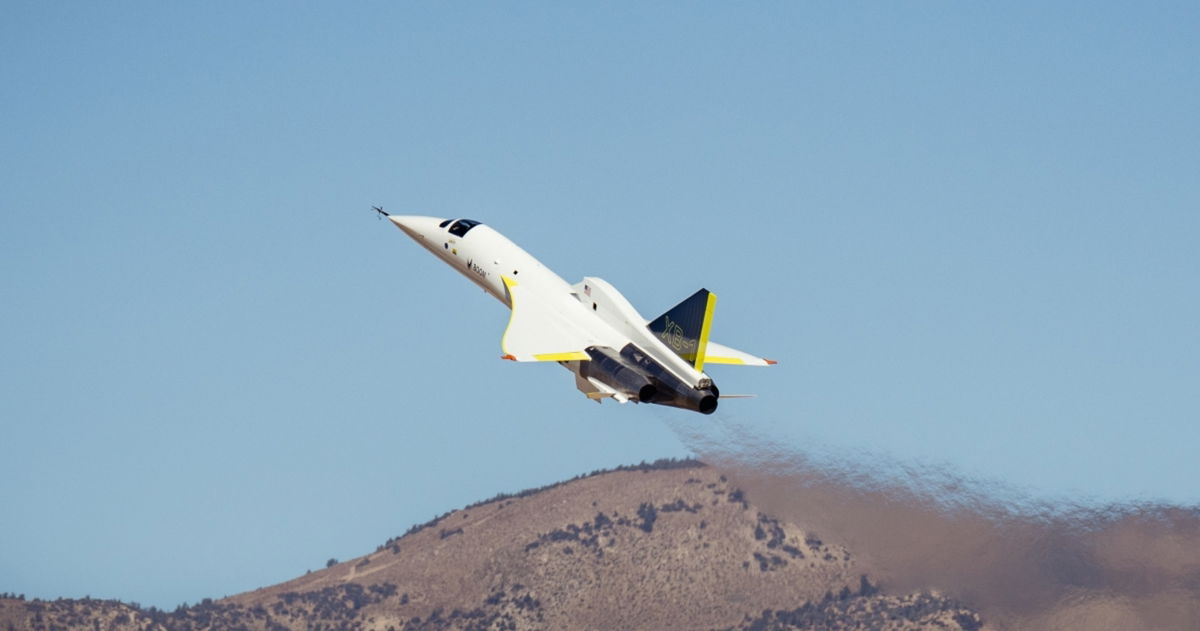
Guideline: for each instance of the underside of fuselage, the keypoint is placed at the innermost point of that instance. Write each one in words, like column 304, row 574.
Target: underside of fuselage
column 632, row 375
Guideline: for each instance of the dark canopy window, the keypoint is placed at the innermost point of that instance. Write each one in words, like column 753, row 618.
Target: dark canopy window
column 461, row 227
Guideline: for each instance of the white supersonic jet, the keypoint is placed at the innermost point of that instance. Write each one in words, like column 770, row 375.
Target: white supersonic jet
column 588, row 327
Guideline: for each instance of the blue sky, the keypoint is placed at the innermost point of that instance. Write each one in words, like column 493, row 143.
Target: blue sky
column 968, row 232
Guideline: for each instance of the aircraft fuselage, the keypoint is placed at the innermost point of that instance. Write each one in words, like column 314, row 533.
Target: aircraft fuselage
column 605, row 341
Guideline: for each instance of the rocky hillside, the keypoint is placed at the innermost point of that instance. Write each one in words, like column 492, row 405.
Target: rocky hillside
column 666, row 546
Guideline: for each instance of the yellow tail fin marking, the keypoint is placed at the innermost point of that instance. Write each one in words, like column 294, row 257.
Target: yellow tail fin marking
column 702, row 343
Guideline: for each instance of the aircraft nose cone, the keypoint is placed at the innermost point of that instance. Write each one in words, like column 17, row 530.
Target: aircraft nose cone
column 416, row 226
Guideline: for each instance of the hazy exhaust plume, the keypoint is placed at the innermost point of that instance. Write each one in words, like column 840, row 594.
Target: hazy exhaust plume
column 1025, row 564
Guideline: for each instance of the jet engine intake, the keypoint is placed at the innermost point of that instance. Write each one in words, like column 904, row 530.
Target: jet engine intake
column 610, row 368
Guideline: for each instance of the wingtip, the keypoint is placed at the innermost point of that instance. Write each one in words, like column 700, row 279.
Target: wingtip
column 511, row 358
column 771, row 362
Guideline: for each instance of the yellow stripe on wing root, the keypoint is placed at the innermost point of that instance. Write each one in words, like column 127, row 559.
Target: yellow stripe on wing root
column 561, row 357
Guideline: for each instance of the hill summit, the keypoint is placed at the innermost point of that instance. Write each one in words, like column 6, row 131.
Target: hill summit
column 668, row 545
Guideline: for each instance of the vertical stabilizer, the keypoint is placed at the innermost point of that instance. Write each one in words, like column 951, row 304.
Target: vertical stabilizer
column 684, row 329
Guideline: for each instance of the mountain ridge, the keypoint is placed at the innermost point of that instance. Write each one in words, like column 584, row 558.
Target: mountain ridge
column 664, row 545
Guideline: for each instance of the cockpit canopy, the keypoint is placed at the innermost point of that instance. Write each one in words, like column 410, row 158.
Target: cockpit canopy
column 461, row 227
